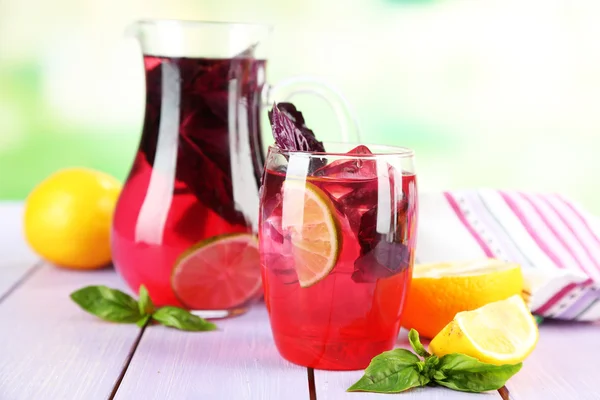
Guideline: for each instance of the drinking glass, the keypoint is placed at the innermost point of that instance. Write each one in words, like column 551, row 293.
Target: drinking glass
column 337, row 235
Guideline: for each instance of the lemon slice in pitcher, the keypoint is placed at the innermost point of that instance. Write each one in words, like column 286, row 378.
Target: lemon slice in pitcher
column 310, row 224
column 502, row 332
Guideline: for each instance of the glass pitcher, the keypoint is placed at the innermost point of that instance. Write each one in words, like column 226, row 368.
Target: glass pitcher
column 185, row 222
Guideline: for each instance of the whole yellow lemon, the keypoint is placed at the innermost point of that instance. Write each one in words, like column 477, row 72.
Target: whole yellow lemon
column 68, row 217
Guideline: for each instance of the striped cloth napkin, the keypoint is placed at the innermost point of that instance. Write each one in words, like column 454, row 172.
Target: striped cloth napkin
column 556, row 242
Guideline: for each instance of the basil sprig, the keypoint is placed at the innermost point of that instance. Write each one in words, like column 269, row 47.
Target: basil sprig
column 115, row 306
column 398, row 370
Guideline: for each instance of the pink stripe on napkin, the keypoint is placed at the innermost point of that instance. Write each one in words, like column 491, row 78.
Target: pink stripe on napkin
column 583, row 220
column 536, row 237
column 555, row 299
column 553, row 230
column 574, row 232
column 454, row 204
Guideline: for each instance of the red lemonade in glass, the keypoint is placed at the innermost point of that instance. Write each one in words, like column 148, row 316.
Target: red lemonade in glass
column 337, row 239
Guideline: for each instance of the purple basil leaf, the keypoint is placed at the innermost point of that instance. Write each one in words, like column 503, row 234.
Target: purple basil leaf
column 382, row 254
column 193, row 166
column 384, row 260
column 368, row 237
column 290, row 131
column 204, row 158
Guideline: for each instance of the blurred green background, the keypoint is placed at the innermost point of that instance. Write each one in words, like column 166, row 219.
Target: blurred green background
column 489, row 93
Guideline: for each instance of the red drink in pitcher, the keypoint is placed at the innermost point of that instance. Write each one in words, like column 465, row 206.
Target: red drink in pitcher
column 337, row 237
column 183, row 223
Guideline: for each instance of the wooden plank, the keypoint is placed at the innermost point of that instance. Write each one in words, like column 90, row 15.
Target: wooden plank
column 16, row 259
column 50, row 348
column 563, row 365
column 239, row 361
column 332, row 385
column 14, row 275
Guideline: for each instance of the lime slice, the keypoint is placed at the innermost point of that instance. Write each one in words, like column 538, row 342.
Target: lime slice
column 219, row 273
column 309, row 221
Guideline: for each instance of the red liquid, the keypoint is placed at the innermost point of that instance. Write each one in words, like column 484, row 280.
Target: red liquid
column 353, row 314
column 198, row 155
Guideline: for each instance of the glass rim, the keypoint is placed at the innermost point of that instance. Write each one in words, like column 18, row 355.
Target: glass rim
column 396, row 151
column 157, row 21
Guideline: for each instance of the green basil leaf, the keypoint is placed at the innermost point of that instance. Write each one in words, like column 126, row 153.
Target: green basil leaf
column 143, row 321
column 438, row 376
column 415, row 342
column 108, row 304
column 145, row 302
column 430, row 367
column 420, row 365
column 392, row 371
column 468, row 374
column 179, row 318
column 432, row 361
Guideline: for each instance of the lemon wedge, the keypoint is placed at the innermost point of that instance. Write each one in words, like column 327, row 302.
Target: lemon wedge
column 502, row 332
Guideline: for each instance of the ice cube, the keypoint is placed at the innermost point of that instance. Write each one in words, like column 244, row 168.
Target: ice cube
column 281, row 267
column 352, row 198
column 351, row 168
column 271, row 211
column 273, row 228
column 356, row 202
column 366, row 195
column 360, row 149
column 363, row 196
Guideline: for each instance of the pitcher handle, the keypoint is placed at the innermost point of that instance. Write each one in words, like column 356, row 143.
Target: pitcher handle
column 287, row 88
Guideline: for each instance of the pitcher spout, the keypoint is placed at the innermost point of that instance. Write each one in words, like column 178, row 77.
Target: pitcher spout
column 194, row 39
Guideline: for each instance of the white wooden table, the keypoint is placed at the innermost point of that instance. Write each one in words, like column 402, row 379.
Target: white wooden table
column 50, row 349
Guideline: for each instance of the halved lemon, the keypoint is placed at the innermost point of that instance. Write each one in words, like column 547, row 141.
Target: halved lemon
column 502, row 332
column 439, row 291
column 310, row 225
